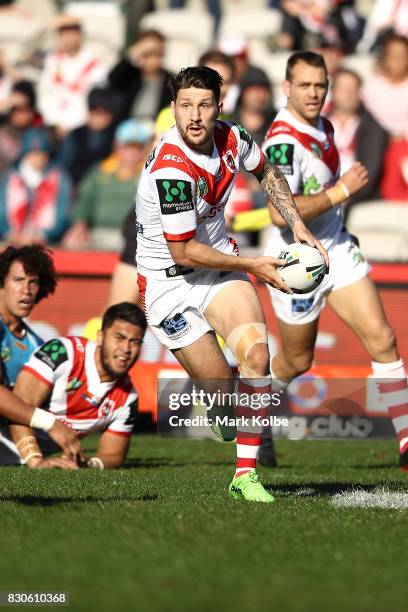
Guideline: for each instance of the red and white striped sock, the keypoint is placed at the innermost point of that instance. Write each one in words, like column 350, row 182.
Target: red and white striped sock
column 249, row 436
column 393, row 390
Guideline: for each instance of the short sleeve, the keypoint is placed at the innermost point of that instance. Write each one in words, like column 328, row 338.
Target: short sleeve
column 284, row 152
column 176, row 196
column 49, row 361
column 250, row 154
column 124, row 418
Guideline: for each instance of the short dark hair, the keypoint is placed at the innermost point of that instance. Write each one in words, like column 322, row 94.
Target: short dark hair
column 125, row 311
column 214, row 56
column 200, row 77
column 36, row 259
column 151, row 33
column 308, row 57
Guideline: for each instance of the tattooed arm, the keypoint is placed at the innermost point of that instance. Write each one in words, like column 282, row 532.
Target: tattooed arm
column 276, row 188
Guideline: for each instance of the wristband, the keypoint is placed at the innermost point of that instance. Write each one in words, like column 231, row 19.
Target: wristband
column 338, row 193
column 41, row 419
column 95, row 463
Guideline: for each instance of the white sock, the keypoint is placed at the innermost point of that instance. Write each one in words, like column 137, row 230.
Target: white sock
column 393, row 388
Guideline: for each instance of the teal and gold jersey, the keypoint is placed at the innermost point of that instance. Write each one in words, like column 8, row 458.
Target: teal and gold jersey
column 16, row 351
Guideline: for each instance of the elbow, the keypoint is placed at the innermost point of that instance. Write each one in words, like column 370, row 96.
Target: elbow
column 182, row 253
column 182, row 260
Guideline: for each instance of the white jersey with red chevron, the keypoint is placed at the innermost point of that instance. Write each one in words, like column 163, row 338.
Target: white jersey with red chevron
column 182, row 194
column 309, row 159
column 77, row 395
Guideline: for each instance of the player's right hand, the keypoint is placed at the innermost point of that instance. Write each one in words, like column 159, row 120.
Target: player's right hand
column 265, row 269
column 54, row 462
column 355, row 178
column 67, row 439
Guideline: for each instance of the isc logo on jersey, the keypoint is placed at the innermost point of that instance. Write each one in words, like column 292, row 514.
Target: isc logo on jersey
column 170, row 157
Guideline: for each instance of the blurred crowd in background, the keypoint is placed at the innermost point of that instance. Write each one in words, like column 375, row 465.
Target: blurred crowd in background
column 84, row 98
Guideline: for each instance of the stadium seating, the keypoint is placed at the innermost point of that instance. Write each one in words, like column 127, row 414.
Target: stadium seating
column 382, row 228
column 188, row 33
column 19, row 34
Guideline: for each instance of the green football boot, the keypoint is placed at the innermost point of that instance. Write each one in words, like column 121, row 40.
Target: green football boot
column 249, row 488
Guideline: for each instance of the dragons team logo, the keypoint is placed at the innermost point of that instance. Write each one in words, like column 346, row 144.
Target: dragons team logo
column 311, row 185
column 230, row 161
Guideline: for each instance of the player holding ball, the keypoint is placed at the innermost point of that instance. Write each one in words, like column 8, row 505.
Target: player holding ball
column 301, row 142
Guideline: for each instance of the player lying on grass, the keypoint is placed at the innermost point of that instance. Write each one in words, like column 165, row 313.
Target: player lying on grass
column 302, row 143
column 191, row 281
column 85, row 385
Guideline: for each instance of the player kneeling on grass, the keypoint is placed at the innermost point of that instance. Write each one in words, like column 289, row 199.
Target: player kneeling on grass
column 85, row 385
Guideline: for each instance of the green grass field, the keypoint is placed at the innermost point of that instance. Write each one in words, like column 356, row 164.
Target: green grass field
column 163, row 534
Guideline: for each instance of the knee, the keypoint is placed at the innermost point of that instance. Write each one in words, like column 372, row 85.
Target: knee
column 257, row 360
column 299, row 362
column 381, row 340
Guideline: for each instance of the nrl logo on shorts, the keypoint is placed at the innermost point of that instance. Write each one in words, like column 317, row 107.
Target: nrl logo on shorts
column 229, row 161
column 202, row 187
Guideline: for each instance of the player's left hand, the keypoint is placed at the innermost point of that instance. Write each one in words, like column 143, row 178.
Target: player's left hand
column 67, row 439
column 302, row 234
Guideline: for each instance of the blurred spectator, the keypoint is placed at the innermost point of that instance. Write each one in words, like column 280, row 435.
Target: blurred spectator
column 385, row 93
column 358, row 135
column 385, row 16
column 93, row 141
column 255, row 110
column 237, row 48
column 141, row 78
column 309, row 23
column 108, row 191
column 22, row 116
column 34, row 195
column 69, row 72
column 224, row 65
column 394, row 184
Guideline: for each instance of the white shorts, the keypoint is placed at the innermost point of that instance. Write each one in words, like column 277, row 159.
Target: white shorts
column 175, row 306
column 347, row 265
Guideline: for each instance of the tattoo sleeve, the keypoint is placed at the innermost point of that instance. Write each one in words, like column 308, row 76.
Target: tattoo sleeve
column 276, row 188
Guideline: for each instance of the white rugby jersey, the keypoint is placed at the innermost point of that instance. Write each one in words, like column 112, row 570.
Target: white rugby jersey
column 182, row 194
column 77, row 395
column 309, row 159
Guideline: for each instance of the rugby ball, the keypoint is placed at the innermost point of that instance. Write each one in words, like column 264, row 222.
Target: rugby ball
column 304, row 269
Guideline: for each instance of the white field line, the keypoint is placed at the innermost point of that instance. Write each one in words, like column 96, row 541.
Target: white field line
column 363, row 499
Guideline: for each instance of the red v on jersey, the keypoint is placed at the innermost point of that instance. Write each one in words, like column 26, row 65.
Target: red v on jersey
column 81, row 404
column 327, row 151
column 216, row 186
